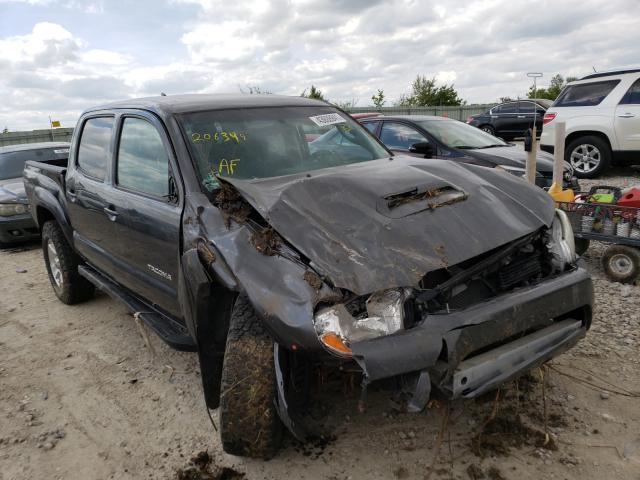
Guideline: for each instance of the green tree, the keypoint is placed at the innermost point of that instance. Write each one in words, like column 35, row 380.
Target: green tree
column 553, row 90
column 314, row 93
column 5, row 130
column 378, row 99
column 347, row 104
column 425, row 92
column 254, row 90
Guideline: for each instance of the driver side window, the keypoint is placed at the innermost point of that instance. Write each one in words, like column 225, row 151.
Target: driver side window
column 400, row 137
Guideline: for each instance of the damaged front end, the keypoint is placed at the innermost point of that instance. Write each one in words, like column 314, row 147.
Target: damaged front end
column 469, row 328
column 456, row 287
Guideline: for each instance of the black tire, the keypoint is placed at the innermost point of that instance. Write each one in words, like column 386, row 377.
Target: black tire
column 582, row 245
column 488, row 129
column 249, row 422
column 70, row 288
column 621, row 263
column 593, row 148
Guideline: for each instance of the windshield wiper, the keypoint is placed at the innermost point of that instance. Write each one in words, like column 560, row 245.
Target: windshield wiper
column 495, row 145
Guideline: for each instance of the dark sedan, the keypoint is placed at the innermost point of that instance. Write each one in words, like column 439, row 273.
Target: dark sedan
column 439, row 137
column 16, row 224
column 511, row 119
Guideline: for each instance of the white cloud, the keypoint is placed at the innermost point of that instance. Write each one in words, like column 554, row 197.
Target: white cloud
column 347, row 48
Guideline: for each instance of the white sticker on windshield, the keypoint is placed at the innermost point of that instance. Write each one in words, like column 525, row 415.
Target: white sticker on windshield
column 327, row 119
column 61, row 150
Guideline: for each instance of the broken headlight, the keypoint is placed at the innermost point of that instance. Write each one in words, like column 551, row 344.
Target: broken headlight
column 337, row 327
column 560, row 242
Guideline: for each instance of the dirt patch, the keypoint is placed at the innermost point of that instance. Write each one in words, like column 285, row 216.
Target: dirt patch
column 505, row 432
column 201, row 468
column 475, row 472
column 494, row 473
column 232, row 205
column 266, row 241
column 312, row 279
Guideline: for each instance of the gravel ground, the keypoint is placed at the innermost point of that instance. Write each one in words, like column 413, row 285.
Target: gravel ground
column 82, row 396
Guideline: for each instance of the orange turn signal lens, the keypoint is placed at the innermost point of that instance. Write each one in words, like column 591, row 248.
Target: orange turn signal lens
column 334, row 342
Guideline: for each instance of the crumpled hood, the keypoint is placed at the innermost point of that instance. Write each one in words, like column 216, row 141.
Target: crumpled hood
column 349, row 222
column 514, row 157
column 12, row 191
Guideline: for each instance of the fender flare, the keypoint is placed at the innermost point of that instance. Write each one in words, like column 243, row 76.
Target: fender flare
column 47, row 201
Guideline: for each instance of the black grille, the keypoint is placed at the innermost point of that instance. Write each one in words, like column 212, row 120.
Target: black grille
column 522, row 269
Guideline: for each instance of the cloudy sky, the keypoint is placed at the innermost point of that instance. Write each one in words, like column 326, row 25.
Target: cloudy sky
column 58, row 57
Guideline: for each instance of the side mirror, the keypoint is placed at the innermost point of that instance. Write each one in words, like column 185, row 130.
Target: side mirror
column 528, row 140
column 423, row 148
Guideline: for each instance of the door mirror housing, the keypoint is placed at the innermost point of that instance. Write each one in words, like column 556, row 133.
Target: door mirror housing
column 423, row 148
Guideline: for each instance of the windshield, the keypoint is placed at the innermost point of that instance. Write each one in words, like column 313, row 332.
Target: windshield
column 269, row 142
column 459, row 135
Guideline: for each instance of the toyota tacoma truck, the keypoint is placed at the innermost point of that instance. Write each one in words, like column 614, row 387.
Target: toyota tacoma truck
column 223, row 224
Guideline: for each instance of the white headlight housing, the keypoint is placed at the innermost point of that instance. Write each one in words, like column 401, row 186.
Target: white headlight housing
column 10, row 209
column 560, row 241
column 385, row 315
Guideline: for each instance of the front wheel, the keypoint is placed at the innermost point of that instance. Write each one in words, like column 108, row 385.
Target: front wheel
column 589, row 156
column 249, row 422
column 621, row 263
column 62, row 266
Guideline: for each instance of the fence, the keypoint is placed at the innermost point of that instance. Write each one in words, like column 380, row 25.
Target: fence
column 64, row 134
column 457, row 113
column 34, row 136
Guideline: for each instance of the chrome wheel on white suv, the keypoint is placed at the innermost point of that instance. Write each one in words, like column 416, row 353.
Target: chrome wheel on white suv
column 585, row 158
column 588, row 155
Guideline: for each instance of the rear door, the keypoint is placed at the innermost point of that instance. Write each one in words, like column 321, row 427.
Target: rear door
column 88, row 187
column 627, row 119
column 525, row 117
column 504, row 118
column 147, row 202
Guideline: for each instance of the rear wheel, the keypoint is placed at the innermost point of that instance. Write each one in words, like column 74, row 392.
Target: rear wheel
column 589, row 156
column 249, row 422
column 621, row 263
column 62, row 266
column 488, row 129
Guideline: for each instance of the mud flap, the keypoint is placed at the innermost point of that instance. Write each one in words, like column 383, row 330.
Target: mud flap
column 207, row 310
column 287, row 417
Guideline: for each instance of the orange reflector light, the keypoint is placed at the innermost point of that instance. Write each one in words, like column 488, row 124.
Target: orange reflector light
column 334, row 342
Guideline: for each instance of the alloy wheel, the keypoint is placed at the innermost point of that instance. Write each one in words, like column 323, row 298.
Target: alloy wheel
column 54, row 263
column 585, row 158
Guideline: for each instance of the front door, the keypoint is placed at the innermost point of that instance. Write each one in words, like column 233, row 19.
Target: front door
column 146, row 197
column 627, row 120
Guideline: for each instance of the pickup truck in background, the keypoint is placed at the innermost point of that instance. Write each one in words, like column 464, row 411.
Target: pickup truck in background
column 224, row 224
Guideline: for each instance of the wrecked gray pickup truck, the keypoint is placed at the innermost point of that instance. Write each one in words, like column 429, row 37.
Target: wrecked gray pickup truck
column 232, row 227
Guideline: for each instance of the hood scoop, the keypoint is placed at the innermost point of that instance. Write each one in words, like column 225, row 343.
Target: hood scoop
column 418, row 199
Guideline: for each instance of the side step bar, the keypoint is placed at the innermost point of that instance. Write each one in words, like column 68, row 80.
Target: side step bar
column 173, row 333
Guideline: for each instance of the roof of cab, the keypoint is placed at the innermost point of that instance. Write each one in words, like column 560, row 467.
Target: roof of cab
column 171, row 104
column 20, row 147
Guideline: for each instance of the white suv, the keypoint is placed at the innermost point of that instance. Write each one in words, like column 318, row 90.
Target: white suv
column 602, row 115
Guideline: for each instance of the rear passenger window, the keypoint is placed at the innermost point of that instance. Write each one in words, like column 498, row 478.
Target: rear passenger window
column 94, row 146
column 507, row 108
column 143, row 164
column 371, row 126
column 526, row 107
column 585, row 94
column 632, row 97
